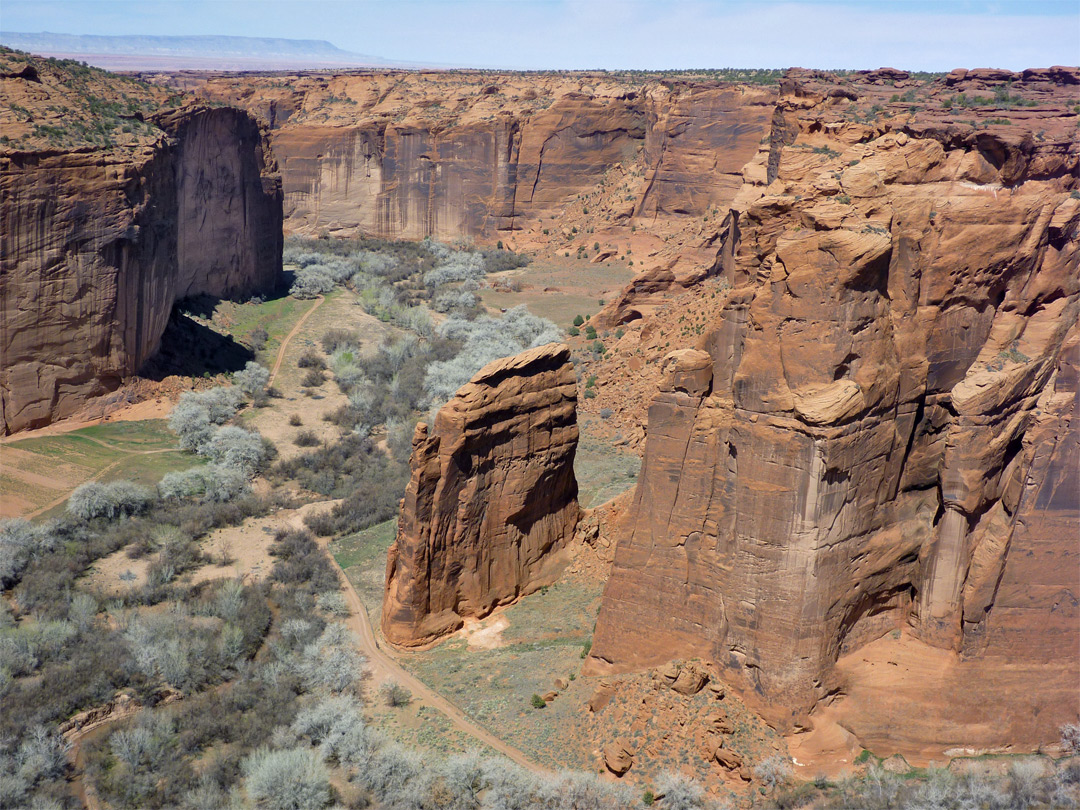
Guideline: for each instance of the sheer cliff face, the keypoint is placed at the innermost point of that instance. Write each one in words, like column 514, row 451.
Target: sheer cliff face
column 100, row 242
column 492, row 497
column 879, row 430
column 451, row 155
column 228, row 203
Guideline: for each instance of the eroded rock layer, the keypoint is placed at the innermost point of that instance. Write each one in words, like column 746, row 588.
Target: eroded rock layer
column 492, row 497
column 101, row 240
column 877, row 433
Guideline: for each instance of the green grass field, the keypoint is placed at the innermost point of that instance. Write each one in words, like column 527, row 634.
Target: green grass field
column 36, row 472
column 363, row 558
column 277, row 316
column 544, row 640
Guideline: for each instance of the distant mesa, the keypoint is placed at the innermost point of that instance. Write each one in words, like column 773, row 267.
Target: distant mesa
column 193, row 52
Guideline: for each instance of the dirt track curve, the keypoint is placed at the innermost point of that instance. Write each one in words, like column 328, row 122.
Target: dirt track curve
column 383, row 664
column 288, row 338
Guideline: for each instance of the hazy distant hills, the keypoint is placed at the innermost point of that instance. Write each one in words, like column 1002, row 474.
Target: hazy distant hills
column 193, row 52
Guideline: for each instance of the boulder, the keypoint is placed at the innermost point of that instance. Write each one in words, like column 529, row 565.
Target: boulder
column 668, row 673
column 687, row 370
column 722, row 723
column 618, row 757
column 601, row 697
column 726, row 758
column 690, row 680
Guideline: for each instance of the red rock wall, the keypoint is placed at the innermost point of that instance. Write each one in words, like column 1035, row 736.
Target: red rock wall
column 879, row 429
column 99, row 244
column 409, row 156
column 492, row 498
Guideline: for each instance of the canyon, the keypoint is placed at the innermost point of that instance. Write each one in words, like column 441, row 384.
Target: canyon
column 863, row 456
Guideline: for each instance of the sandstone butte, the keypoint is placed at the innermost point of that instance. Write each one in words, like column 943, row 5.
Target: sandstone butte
column 874, row 434
column 102, row 236
column 492, row 498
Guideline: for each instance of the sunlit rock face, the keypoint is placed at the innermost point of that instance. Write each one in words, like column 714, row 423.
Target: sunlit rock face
column 100, row 242
column 492, row 499
column 878, row 433
column 478, row 155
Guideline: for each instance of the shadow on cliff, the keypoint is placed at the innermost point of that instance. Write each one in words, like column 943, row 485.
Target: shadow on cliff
column 190, row 349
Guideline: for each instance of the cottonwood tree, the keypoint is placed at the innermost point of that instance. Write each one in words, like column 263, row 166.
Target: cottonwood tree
column 253, row 379
column 291, row 779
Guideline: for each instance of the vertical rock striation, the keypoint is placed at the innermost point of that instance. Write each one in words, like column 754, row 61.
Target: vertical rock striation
column 492, row 498
column 490, row 156
column 99, row 242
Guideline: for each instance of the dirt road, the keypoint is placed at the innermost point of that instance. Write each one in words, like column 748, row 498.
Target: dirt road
column 384, row 667
column 285, row 343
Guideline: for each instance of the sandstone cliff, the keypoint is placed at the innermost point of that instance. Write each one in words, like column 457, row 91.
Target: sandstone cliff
column 877, row 430
column 498, row 155
column 105, row 230
column 492, row 498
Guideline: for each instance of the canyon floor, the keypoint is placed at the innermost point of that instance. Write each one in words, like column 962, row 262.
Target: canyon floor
column 482, row 680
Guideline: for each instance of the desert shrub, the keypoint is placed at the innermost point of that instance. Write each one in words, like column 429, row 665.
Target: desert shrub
column 352, row 468
column 497, row 261
column 81, row 611
column 311, row 282
column 313, row 378
column 349, row 741
column 680, row 793
column 20, row 542
column 291, row 779
column 457, row 302
column 416, row 319
column 192, row 425
column 338, row 338
column 394, row 694
column 258, row 338
column 253, row 379
column 111, row 500
column 211, row 482
column 333, row 603
column 301, row 563
column 311, row 359
column 1070, row 738
column 197, row 413
column 399, row 436
column 773, row 771
column 583, row 791
column 40, row 757
column 482, row 341
column 236, row 449
column 389, row 772
column 295, row 420
column 317, row 720
column 306, row 438
column 455, row 267
column 331, row 662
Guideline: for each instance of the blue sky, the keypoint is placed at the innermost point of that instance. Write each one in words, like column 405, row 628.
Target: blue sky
column 644, row 34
